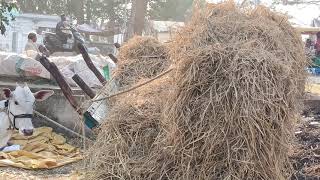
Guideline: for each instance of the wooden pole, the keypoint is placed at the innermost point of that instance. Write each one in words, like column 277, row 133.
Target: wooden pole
column 65, row 88
column 90, row 64
column 113, row 58
column 84, row 86
column 61, row 126
column 133, row 88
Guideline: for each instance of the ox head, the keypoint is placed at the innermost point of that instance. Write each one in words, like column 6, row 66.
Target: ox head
column 20, row 107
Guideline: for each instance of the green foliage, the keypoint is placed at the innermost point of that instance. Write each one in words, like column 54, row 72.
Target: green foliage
column 165, row 10
column 6, row 15
column 101, row 11
column 114, row 10
column 51, row 7
column 83, row 10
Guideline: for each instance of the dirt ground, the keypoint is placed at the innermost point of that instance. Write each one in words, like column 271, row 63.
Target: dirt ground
column 65, row 173
column 305, row 154
column 68, row 172
column 305, row 157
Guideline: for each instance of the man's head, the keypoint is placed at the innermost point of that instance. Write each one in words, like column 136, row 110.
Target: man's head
column 63, row 17
column 117, row 45
column 33, row 37
column 308, row 43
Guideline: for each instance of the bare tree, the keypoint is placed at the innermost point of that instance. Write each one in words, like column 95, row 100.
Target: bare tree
column 140, row 15
column 137, row 18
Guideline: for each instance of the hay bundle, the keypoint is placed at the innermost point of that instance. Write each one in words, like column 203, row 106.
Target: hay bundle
column 236, row 98
column 126, row 138
column 140, row 57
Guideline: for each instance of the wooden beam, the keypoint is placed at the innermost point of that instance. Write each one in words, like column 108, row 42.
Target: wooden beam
column 60, row 125
column 91, row 66
column 113, row 58
column 110, row 33
column 65, row 88
column 308, row 30
column 86, row 89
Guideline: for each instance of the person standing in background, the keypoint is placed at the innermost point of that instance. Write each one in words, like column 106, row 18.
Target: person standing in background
column 32, row 49
column 32, row 43
column 317, row 45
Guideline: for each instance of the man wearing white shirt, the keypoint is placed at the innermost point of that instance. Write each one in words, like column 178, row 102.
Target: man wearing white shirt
column 32, row 49
column 32, row 43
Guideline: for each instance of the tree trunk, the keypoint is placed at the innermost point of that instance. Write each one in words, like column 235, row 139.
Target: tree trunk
column 89, row 12
column 284, row 2
column 140, row 15
column 30, row 7
column 111, row 27
column 77, row 7
column 130, row 30
column 137, row 18
column 102, row 23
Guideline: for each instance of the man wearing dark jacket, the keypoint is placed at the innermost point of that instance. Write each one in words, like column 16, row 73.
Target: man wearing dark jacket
column 60, row 26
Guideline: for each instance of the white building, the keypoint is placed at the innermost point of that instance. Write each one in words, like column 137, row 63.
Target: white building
column 162, row 30
column 17, row 32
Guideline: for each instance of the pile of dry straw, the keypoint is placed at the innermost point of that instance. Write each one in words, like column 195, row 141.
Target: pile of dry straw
column 133, row 123
column 125, row 141
column 139, row 58
column 235, row 96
